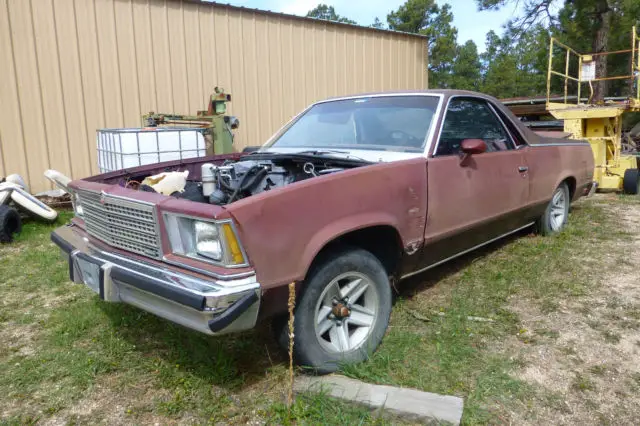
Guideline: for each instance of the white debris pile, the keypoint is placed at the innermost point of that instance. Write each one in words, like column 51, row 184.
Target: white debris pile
column 15, row 199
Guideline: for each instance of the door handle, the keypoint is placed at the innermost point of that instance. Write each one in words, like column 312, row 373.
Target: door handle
column 522, row 169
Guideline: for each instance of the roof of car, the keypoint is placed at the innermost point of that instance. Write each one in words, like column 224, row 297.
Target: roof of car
column 445, row 92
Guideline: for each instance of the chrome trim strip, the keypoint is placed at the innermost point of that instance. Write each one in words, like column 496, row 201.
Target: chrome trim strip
column 218, row 287
column 432, row 128
column 220, row 277
column 560, row 144
column 125, row 200
column 444, row 116
column 465, row 251
column 378, row 95
column 209, row 273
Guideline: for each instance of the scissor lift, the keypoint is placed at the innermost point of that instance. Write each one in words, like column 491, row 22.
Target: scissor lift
column 599, row 123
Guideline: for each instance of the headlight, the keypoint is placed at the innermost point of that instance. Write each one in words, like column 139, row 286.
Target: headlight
column 214, row 242
column 208, row 240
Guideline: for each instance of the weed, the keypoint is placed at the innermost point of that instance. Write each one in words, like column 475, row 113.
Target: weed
column 598, row 370
column 611, row 336
column 582, row 383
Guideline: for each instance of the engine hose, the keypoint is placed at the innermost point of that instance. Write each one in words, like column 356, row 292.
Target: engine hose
column 244, row 185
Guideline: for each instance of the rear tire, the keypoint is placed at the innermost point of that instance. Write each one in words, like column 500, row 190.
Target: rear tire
column 10, row 223
column 557, row 212
column 631, row 181
column 342, row 314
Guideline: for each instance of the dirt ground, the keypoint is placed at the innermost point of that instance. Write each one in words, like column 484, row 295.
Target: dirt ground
column 587, row 351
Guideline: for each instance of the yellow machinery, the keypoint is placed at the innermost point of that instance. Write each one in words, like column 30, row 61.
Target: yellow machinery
column 599, row 123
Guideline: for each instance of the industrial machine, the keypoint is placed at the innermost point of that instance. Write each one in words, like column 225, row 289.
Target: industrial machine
column 600, row 123
column 218, row 126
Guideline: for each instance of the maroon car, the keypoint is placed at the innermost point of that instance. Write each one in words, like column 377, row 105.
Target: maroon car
column 350, row 195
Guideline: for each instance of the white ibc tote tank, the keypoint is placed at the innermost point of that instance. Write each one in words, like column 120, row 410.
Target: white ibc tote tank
column 125, row 148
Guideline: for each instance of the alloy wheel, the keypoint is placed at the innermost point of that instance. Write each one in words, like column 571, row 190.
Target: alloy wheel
column 346, row 312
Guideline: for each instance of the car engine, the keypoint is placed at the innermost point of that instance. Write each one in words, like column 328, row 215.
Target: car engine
column 230, row 181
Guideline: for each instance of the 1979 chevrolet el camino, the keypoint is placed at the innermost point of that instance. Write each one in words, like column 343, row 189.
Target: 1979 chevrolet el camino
column 350, row 195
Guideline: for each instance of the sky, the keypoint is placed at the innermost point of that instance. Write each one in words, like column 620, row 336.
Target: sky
column 471, row 24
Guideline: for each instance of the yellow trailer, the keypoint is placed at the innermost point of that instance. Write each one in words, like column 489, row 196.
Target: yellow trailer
column 599, row 123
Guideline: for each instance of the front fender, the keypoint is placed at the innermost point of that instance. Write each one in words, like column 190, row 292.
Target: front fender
column 283, row 230
column 341, row 227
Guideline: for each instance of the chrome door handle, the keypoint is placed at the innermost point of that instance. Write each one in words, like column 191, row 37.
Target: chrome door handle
column 522, row 169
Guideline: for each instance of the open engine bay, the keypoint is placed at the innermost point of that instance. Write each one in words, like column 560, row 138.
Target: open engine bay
column 230, row 181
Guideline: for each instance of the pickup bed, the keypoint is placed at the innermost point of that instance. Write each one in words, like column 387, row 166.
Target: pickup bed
column 351, row 195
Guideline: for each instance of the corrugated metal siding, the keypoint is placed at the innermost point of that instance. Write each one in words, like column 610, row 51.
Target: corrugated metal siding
column 69, row 67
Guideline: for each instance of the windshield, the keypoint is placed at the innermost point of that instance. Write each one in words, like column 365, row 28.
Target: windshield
column 387, row 123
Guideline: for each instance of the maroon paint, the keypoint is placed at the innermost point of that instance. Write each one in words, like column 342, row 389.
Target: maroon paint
column 430, row 202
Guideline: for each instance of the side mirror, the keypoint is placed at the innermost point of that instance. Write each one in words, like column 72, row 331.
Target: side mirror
column 473, row 146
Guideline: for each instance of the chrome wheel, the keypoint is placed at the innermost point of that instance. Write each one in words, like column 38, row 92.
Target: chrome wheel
column 346, row 312
column 558, row 210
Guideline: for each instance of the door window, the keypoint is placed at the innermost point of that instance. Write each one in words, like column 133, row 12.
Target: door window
column 469, row 118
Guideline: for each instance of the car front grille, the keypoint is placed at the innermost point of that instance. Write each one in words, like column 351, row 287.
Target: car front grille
column 121, row 222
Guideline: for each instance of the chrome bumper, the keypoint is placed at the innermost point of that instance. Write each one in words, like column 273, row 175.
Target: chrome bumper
column 211, row 307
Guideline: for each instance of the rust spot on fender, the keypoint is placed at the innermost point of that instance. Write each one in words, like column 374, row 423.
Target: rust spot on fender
column 412, row 247
column 412, row 194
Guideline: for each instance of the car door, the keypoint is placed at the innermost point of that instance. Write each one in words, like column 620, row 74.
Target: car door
column 472, row 199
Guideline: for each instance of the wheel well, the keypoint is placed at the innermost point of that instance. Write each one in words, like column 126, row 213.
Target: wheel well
column 382, row 241
column 571, row 183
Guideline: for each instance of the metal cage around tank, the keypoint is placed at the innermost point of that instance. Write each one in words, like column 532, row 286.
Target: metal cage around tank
column 126, row 148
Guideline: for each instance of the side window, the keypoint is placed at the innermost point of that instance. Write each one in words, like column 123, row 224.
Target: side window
column 469, row 118
column 517, row 138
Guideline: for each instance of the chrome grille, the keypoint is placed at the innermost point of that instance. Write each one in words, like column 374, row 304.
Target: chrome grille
column 123, row 223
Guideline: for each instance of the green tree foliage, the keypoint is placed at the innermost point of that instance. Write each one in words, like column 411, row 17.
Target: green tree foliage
column 466, row 71
column 585, row 25
column 577, row 27
column 427, row 18
column 515, row 68
column 328, row 13
column 377, row 23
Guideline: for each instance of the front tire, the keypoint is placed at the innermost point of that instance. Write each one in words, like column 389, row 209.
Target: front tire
column 342, row 314
column 557, row 212
column 10, row 223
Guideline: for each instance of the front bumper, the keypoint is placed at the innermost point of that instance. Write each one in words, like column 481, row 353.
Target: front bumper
column 209, row 306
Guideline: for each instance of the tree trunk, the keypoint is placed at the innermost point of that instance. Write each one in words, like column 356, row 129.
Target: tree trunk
column 600, row 44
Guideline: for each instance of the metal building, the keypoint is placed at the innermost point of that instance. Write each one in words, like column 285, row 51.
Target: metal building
column 69, row 67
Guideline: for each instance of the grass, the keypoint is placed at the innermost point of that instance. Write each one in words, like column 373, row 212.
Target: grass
column 452, row 355
column 62, row 347
column 62, row 350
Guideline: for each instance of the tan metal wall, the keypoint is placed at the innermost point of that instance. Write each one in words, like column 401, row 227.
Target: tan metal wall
column 69, row 67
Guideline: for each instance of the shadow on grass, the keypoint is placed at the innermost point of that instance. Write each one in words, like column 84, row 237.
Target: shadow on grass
column 231, row 361
column 431, row 277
